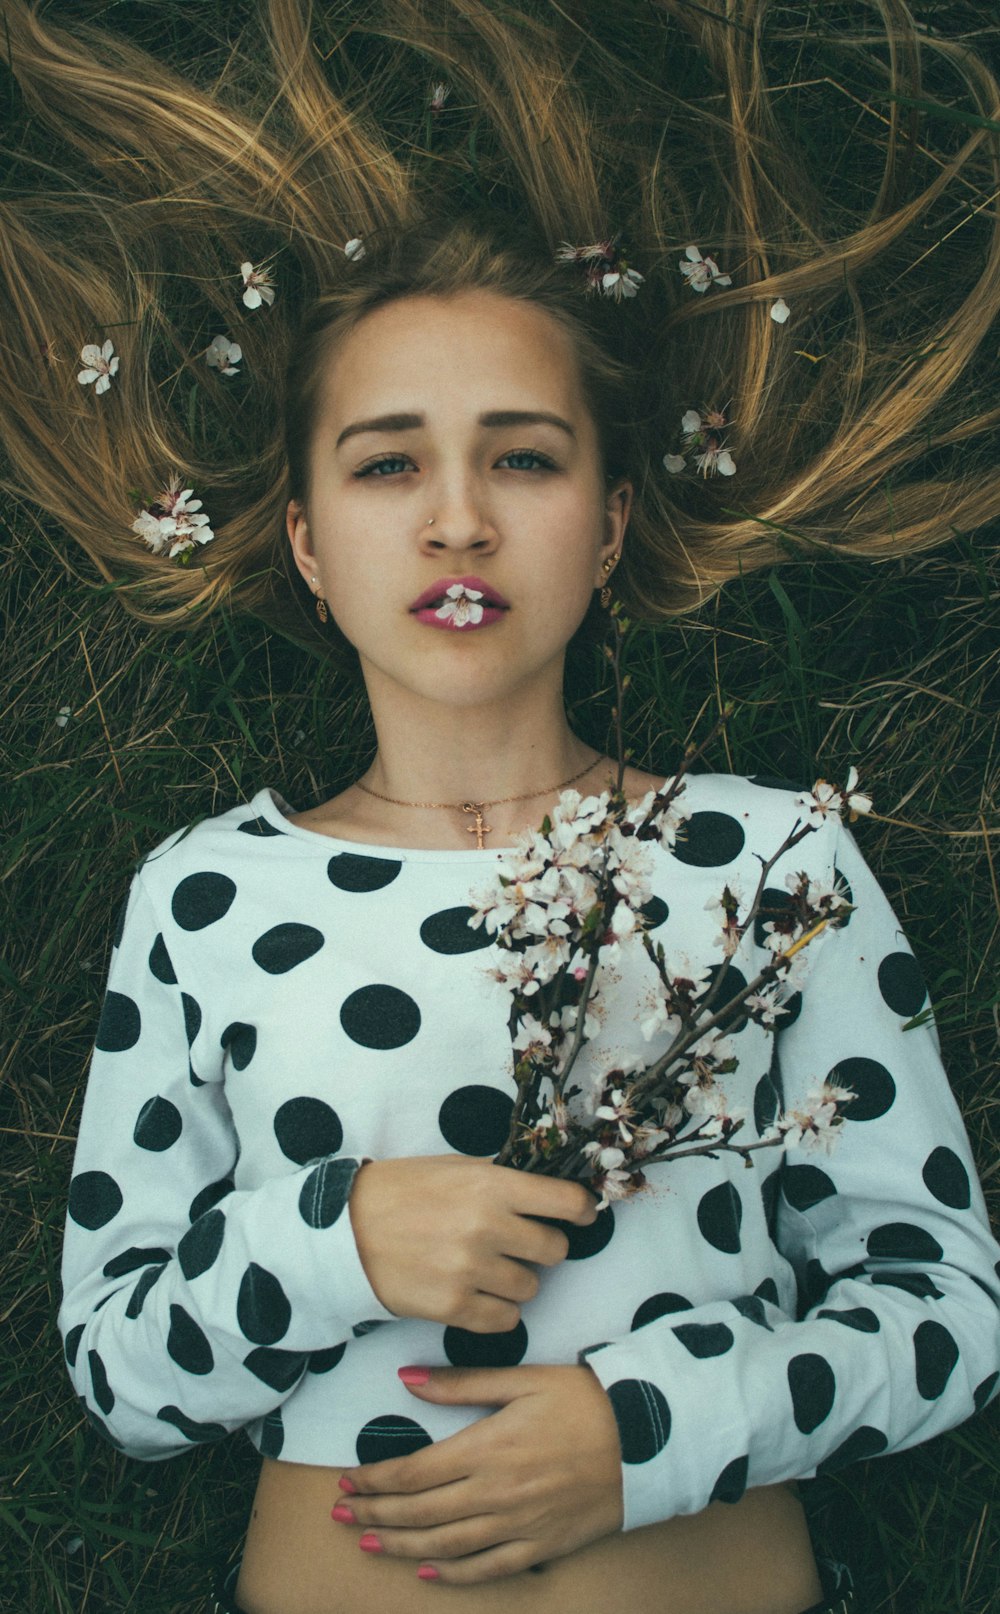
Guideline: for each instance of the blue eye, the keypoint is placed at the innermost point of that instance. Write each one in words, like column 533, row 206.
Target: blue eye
column 377, row 465
column 540, row 460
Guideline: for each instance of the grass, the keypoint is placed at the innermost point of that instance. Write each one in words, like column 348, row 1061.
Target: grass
column 894, row 668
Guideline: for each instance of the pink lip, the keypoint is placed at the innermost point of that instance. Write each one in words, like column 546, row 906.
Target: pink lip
column 438, row 590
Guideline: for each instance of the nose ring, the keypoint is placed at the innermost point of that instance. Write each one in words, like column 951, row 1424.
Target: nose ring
column 431, row 522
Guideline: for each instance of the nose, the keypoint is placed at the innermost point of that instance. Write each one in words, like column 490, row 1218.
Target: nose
column 458, row 520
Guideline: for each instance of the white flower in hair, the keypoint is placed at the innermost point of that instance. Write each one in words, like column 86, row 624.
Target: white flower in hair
column 101, row 365
column 439, row 95
column 674, row 463
column 701, row 273
column 354, row 249
column 619, row 284
column 178, row 527
column 716, row 461
column 224, row 355
column 258, row 287
column 780, row 311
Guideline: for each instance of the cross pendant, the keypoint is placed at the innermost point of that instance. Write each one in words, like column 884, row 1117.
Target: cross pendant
column 479, row 829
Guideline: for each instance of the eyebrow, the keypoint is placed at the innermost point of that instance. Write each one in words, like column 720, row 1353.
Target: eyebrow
column 493, row 417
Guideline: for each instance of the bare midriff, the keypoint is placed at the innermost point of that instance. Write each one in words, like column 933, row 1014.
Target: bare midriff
column 750, row 1557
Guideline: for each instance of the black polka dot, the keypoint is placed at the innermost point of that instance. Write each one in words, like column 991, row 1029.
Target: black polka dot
column 707, row 840
column 282, row 947
column 815, row 1283
column 732, row 1482
column 774, row 781
column 947, row 1178
column 901, row 984
column 858, row 1317
column 119, row 930
column 752, row 1308
column 915, row 1283
column 466, row 1349
column 350, row 871
column 324, row 1193
column 159, row 963
column 935, row 1354
column 192, row 1016
column 119, row 1025
column 874, row 1087
column 643, row 1418
column 279, row 1369
column 210, row 1195
column 103, row 1393
column 132, row 1259
column 202, row 899
column 901, row 1241
column 863, row 1442
column 655, row 912
column 188, row 1344
column 272, row 1435
column 258, row 826
column 705, row 1339
column 94, row 1199
column 793, row 1008
column 769, row 1188
column 158, row 1125
column 323, row 1361
column 307, row 1129
column 380, row 1017
column 662, row 1305
column 390, row 1436
column 805, row 1186
column 193, row 1076
column 765, row 1104
column 767, row 1289
column 720, row 1213
column 137, row 1299
column 189, row 1428
column 262, row 1308
column 201, row 1244
column 592, row 1239
column 813, row 1387
column 359, row 1330
column 776, row 905
column 240, row 1040
column 734, row 982
column 450, row 932
column 72, row 1344
column 591, row 1350
column 476, row 1119
column 981, row 1395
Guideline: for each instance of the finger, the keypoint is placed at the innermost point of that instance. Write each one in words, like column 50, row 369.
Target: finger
column 485, row 1314
column 452, row 1540
column 468, row 1386
column 508, row 1280
column 422, row 1510
column 441, row 1463
column 530, row 1239
column 507, row 1558
column 554, row 1197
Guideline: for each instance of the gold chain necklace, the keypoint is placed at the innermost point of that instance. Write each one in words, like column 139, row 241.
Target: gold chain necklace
column 479, row 829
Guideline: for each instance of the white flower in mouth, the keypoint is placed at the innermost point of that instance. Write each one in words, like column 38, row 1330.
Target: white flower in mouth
column 224, row 355
column 258, row 286
column 460, row 605
column 102, row 364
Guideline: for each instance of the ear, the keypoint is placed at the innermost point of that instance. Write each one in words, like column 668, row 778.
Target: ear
column 617, row 509
column 297, row 528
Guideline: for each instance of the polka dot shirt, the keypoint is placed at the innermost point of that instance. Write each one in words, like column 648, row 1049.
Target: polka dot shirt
column 282, row 1006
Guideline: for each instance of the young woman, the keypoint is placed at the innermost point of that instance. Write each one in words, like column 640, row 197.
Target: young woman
column 283, row 1215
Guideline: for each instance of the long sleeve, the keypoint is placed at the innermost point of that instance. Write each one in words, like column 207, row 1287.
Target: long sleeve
column 897, row 1336
column 191, row 1308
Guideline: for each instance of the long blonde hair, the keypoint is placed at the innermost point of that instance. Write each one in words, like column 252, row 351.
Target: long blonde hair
column 861, row 427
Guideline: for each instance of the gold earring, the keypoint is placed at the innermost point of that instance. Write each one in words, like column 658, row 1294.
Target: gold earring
column 609, row 565
column 321, row 609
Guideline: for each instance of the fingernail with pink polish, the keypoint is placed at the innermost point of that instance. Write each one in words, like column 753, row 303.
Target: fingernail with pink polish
column 345, row 1485
column 370, row 1543
column 342, row 1514
column 414, row 1375
column 427, row 1572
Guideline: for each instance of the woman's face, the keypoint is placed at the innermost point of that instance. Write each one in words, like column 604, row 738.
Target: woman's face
column 433, row 409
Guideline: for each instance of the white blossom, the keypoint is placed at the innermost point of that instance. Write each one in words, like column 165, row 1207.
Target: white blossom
column 65, row 713
column 257, row 285
column 439, row 95
column 224, row 355
column 779, row 311
column 101, row 364
column 674, row 463
column 180, row 525
column 532, row 1035
column 701, row 273
column 620, row 283
column 354, row 249
column 716, row 461
column 815, row 1126
column 460, row 605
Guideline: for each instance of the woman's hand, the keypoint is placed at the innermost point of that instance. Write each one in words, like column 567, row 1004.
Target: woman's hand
column 446, row 1238
column 534, row 1481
